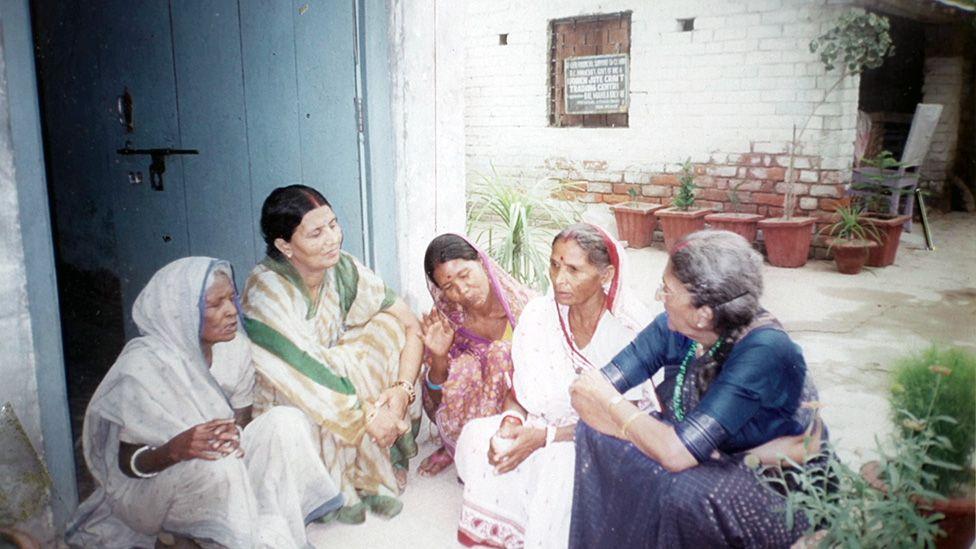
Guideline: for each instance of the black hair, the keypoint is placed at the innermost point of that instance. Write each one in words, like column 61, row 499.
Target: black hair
column 283, row 211
column 444, row 248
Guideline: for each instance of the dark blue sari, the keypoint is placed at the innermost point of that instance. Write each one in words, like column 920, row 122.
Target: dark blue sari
column 623, row 498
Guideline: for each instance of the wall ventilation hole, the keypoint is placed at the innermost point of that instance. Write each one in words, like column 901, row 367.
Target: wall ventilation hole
column 503, row 39
column 685, row 25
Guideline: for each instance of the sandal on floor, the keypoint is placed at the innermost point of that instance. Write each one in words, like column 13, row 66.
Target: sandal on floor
column 433, row 464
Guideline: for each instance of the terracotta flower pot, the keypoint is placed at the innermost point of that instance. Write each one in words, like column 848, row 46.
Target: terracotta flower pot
column 743, row 224
column 788, row 240
column 677, row 223
column 635, row 223
column 851, row 255
column 959, row 523
column 890, row 230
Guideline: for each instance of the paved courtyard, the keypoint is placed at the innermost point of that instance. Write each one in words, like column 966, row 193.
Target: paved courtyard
column 851, row 329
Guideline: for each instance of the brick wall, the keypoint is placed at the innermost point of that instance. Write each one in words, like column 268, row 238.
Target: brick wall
column 944, row 80
column 756, row 177
column 725, row 95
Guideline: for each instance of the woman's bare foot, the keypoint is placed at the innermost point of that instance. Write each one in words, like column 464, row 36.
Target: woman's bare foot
column 401, row 477
column 435, row 463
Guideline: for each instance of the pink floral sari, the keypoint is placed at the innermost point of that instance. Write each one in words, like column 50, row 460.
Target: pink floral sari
column 480, row 370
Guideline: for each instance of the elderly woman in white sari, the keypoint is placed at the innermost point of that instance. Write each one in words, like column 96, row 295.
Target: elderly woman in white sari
column 517, row 467
column 168, row 435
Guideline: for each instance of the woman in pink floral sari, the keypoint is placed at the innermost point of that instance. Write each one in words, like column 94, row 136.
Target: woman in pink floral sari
column 467, row 338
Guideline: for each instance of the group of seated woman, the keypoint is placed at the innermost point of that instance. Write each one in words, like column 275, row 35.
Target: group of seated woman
column 545, row 403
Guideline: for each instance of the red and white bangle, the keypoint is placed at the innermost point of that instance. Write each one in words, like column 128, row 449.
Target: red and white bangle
column 513, row 414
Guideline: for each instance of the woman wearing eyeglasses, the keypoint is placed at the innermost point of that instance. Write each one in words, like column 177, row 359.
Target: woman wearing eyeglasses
column 733, row 380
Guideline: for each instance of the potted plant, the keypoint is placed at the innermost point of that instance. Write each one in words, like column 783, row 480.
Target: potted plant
column 877, row 186
column 879, row 507
column 635, row 221
column 682, row 218
column 745, row 225
column 851, row 238
column 941, row 383
column 515, row 222
column 858, row 41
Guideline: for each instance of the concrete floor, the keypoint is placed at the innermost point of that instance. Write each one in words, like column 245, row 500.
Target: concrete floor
column 851, row 329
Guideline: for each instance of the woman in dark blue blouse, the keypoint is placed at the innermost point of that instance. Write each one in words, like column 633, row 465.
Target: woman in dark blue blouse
column 733, row 384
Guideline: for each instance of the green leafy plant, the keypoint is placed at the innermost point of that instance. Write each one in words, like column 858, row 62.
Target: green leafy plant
column 850, row 225
column 845, row 509
column 872, row 191
column 632, row 193
column 515, row 221
column 858, row 41
column 733, row 194
column 685, row 198
column 955, row 383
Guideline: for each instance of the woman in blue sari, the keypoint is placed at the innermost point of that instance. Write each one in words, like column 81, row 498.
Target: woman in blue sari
column 733, row 381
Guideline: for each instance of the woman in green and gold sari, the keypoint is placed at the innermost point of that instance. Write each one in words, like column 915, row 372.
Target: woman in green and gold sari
column 330, row 338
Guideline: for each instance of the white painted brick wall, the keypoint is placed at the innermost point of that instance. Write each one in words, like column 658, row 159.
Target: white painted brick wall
column 944, row 80
column 744, row 75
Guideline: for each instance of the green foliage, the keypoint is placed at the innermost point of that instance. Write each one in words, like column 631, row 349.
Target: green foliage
column 733, row 194
column 883, row 160
column 951, row 373
column 858, row 41
column 632, row 193
column 685, row 198
column 875, row 194
column 850, row 224
column 851, row 512
column 515, row 222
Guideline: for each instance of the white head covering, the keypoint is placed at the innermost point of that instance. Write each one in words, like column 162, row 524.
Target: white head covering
column 160, row 385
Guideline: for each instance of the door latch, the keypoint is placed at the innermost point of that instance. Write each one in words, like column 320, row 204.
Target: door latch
column 157, row 164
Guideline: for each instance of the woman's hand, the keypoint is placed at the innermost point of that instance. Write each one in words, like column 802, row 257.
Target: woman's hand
column 798, row 448
column 211, row 440
column 437, row 332
column 385, row 427
column 527, row 440
column 396, row 399
column 591, row 394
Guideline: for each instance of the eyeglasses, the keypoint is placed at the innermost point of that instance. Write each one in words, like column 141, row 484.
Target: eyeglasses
column 663, row 292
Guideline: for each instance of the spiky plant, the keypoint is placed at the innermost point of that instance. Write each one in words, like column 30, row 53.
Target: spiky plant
column 515, row 221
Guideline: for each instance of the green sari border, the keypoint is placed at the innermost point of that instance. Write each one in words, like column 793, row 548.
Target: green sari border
column 277, row 344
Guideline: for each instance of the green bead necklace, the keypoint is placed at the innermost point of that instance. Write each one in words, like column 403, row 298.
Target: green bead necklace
column 679, row 380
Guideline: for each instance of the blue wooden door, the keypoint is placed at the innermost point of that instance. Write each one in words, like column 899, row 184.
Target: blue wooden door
column 136, row 52
column 264, row 90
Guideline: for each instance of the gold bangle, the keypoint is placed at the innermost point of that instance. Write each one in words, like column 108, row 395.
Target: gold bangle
column 629, row 420
column 408, row 388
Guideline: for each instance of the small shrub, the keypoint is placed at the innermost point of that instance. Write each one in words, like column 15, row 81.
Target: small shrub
column 733, row 194
column 845, row 510
column 685, row 198
column 950, row 373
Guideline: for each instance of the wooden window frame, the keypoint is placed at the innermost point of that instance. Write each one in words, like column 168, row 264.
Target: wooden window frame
column 557, row 41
